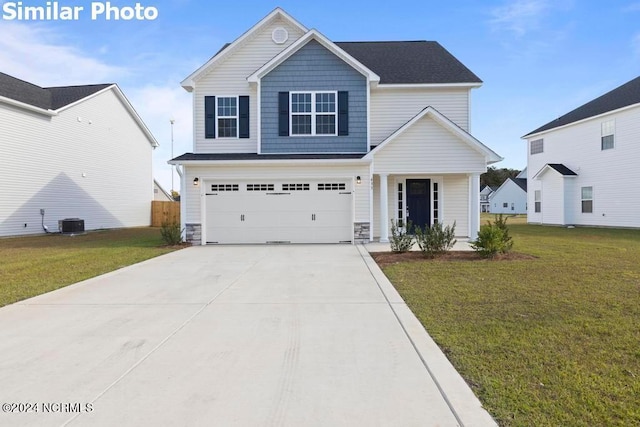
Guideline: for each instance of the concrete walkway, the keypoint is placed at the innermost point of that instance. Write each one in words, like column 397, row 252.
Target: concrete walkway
column 229, row 336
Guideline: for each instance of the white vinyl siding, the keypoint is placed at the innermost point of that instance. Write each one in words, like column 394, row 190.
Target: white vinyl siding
column 91, row 161
column 510, row 198
column 578, row 147
column 392, row 108
column 427, row 146
column 229, row 77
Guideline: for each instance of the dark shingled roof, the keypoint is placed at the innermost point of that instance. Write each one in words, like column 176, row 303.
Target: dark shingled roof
column 253, row 156
column 622, row 96
column 562, row 169
column 410, row 62
column 521, row 182
column 51, row 98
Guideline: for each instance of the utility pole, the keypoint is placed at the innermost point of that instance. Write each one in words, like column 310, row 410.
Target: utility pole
column 172, row 122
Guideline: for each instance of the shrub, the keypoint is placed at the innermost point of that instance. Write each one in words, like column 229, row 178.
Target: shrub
column 501, row 222
column 490, row 241
column 401, row 240
column 493, row 238
column 435, row 240
column 171, row 233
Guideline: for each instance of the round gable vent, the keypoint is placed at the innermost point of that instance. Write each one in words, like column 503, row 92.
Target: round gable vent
column 280, row 35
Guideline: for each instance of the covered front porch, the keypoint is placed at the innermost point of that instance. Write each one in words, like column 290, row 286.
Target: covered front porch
column 423, row 200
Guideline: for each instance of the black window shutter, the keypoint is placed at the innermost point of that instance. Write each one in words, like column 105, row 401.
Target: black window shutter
column 243, row 109
column 343, row 113
column 209, row 116
column 283, row 116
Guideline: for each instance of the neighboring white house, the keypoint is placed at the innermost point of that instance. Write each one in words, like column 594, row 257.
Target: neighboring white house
column 72, row 152
column 584, row 166
column 485, row 192
column 301, row 139
column 511, row 196
column 160, row 194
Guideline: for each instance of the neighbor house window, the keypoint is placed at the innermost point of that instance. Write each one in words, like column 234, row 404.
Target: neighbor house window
column 537, row 198
column 608, row 131
column 505, row 205
column 313, row 113
column 227, row 117
column 587, row 199
column 537, row 146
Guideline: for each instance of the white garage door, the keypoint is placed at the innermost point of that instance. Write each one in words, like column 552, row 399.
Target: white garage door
column 299, row 211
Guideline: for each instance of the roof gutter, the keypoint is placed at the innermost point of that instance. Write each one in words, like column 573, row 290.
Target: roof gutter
column 28, row 107
column 269, row 162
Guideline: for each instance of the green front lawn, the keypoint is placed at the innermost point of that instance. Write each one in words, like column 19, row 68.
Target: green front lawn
column 552, row 341
column 30, row 266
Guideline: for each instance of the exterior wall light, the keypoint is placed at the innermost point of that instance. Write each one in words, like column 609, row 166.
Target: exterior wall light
column 358, row 180
column 196, row 181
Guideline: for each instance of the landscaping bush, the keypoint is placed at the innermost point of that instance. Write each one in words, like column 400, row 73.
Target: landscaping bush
column 171, row 233
column 401, row 240
column 435, row 240
column 500, row 221
column 493, row 238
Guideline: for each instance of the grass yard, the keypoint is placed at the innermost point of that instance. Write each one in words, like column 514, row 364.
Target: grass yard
column 550, row 341
column 31, row 266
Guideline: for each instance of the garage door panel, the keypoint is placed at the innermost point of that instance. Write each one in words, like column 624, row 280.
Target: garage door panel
column 280, row 211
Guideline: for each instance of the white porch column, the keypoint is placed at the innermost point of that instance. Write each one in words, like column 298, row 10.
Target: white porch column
column 474, row 205
column 384, row 209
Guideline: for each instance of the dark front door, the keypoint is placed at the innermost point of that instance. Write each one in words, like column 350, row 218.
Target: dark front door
column 419, row 202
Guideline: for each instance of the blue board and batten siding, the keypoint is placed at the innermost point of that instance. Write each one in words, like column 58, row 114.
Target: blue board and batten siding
column 314, row 68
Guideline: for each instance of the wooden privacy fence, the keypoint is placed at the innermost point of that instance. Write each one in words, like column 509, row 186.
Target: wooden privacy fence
column 164, row 212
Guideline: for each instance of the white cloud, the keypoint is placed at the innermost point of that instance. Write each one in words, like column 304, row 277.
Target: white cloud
column 30, row 52
column 39, row 55
column 519, row 16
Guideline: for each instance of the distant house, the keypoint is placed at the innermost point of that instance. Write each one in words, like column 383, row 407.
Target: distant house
column 511, row 196
column 485, row 192
column 583, row 166
column 160, row 194
column 305, row 140
column 72, row 152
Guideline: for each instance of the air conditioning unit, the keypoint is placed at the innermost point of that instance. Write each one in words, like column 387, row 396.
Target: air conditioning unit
column 71, row 225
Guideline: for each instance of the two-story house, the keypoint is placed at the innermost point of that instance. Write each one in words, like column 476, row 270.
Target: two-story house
column 301, row 139
column 583, row 166
column 72, row 152
column 511, row 197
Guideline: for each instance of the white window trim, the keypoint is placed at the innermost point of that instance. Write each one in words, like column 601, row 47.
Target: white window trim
column 313, row 113
column 237, row 117
column 537, row 198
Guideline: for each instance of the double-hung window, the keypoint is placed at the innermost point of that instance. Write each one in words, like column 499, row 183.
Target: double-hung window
column 587, row 199
column 313, row 113
column 608, row 132
column 537, row 201
column 227, row 110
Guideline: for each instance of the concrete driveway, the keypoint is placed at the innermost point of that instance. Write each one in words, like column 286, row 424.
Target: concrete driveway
column 229, row 336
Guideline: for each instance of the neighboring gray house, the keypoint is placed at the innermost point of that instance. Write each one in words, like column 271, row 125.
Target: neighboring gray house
column 511, row 196
column 485, row 192
column 72, row 152
column 583, row 166
column 301, row 139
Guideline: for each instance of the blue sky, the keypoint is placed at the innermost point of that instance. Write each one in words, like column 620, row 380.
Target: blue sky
column 538, row 58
